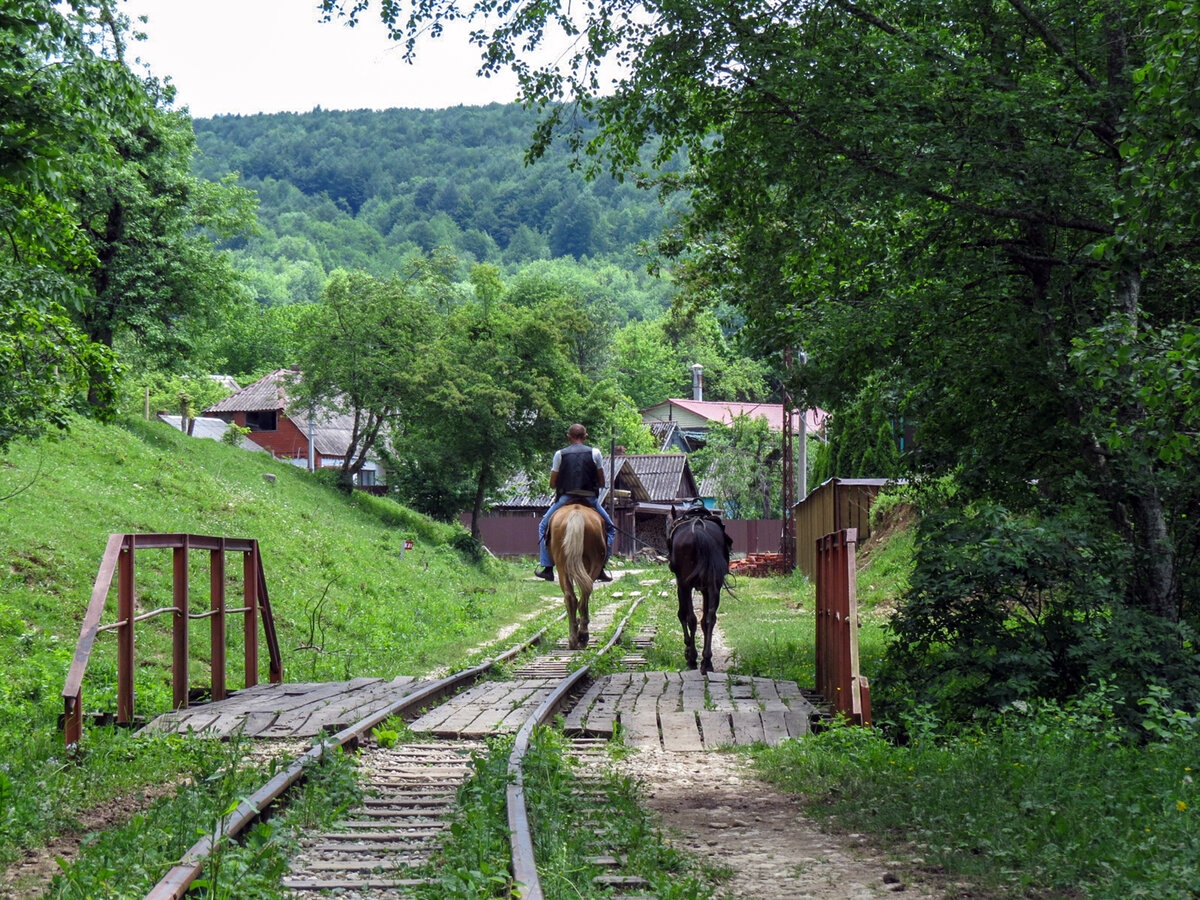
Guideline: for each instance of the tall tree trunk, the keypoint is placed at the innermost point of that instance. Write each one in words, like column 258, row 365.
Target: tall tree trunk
column 1154, row 551
column 477, row 510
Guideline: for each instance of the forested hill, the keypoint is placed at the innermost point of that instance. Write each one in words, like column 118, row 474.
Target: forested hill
column 364, row 189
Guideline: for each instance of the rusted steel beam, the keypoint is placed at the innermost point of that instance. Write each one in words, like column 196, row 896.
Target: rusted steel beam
column 838, row 677
column 125, row 570
column 250, row 569
column 179, row 627
column 274, row 660
column 216, row 581
column 119, row 560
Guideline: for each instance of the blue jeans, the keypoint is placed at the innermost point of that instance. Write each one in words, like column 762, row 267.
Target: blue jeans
column 609, row 528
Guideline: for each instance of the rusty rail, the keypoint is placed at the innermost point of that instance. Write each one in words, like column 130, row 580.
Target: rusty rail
column 524, row 860
column 119, row 559
column 176, row 883
column 838, row 677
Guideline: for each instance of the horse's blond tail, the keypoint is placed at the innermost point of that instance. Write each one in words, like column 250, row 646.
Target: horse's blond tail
column 573, row 536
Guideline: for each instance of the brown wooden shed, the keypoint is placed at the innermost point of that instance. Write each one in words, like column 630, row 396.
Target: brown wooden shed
column 838, row 503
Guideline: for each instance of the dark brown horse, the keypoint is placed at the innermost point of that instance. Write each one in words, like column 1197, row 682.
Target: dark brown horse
column 576, row 538
column 698, row 554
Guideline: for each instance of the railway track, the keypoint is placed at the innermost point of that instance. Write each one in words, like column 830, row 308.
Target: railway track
column 383, row 848
column 377, row 850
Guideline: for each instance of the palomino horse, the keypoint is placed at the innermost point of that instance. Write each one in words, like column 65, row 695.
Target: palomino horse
column 578, row 550
column 698, row 554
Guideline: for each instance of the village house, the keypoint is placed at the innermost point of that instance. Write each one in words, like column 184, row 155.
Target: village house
column 312, row 438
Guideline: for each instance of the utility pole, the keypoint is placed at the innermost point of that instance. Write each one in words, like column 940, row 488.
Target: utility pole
column 788, row 541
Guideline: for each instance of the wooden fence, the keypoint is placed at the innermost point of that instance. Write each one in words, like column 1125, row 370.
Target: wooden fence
column 838, row 504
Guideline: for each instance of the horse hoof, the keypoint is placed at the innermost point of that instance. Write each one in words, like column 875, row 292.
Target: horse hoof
column 583, row 640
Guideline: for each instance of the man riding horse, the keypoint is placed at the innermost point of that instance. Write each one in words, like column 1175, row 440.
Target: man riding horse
column 576, row 475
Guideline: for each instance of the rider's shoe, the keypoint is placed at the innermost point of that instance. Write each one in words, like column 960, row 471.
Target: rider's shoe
column 603, row 576
column 545, row 572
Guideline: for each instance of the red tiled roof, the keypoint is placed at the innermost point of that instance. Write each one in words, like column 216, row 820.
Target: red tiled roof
column 723, row 412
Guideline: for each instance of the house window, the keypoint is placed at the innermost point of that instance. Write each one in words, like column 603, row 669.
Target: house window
column 262, row 420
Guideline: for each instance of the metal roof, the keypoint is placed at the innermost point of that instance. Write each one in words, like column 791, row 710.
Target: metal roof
column 666, row 476
column 211, row 428
column 331, row 429
column 521, row 492
column 724, row 413
column 269, row 392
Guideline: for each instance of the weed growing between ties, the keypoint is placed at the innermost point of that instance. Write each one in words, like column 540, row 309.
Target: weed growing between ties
column 130, row 860
column 1049, row 798
column 570, row 828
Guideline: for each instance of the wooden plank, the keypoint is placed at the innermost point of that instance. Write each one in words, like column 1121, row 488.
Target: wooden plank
column 774, row 726
column 716, row 728
column 768, row 694
column 257, row 722
column 680, row 731
column 652, row 690
column 640, row 728
column 671, row 698
column 575, row 719
column 747, row 728
column 797, row 723
column 457, row 711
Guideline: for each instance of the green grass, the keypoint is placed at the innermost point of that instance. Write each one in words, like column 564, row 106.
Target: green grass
column 129, row 860
column 1048, row 801
column 768, row 623
column 347, row 600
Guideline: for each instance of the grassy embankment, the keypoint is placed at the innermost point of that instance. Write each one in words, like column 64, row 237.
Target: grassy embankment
column 347, row 601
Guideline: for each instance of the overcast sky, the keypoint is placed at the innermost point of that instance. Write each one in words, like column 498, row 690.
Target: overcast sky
column 250, row 56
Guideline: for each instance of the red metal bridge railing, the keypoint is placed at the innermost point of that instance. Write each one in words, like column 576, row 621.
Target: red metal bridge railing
column 838, row 676
column 119, row 559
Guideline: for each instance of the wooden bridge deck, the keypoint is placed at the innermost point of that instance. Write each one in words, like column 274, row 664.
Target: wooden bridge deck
column 301, row 710
column 680, row 711
column 653, row 710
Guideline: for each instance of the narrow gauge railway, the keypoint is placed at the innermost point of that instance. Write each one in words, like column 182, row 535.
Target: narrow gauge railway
column 375, row 851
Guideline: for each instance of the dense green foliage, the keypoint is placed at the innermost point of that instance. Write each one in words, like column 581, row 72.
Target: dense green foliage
column 101, row 218
column 1043, row 800
column 367, row 189
column 984, row 215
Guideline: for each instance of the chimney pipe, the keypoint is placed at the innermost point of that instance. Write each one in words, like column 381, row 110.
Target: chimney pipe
column 697, row 382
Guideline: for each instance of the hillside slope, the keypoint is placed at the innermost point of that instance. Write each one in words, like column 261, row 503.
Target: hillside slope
column 348, row 601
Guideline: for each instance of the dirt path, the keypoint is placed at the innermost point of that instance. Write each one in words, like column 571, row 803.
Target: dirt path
column 713, row 805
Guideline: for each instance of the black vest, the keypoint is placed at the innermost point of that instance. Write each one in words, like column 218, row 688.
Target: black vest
column 577, row 471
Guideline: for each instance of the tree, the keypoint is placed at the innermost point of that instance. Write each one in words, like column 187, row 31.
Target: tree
column 743, row 460
column 497, row 393
column 992, row 205
column 57, row 100
column 362, row 350
column 158, row 282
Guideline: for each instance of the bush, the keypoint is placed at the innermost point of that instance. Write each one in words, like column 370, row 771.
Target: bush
column 1003, row 608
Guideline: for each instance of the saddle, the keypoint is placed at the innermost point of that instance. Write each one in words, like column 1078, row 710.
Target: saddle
column 697, row 512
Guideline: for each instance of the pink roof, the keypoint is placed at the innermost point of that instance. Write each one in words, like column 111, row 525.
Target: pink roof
column 720, row 411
